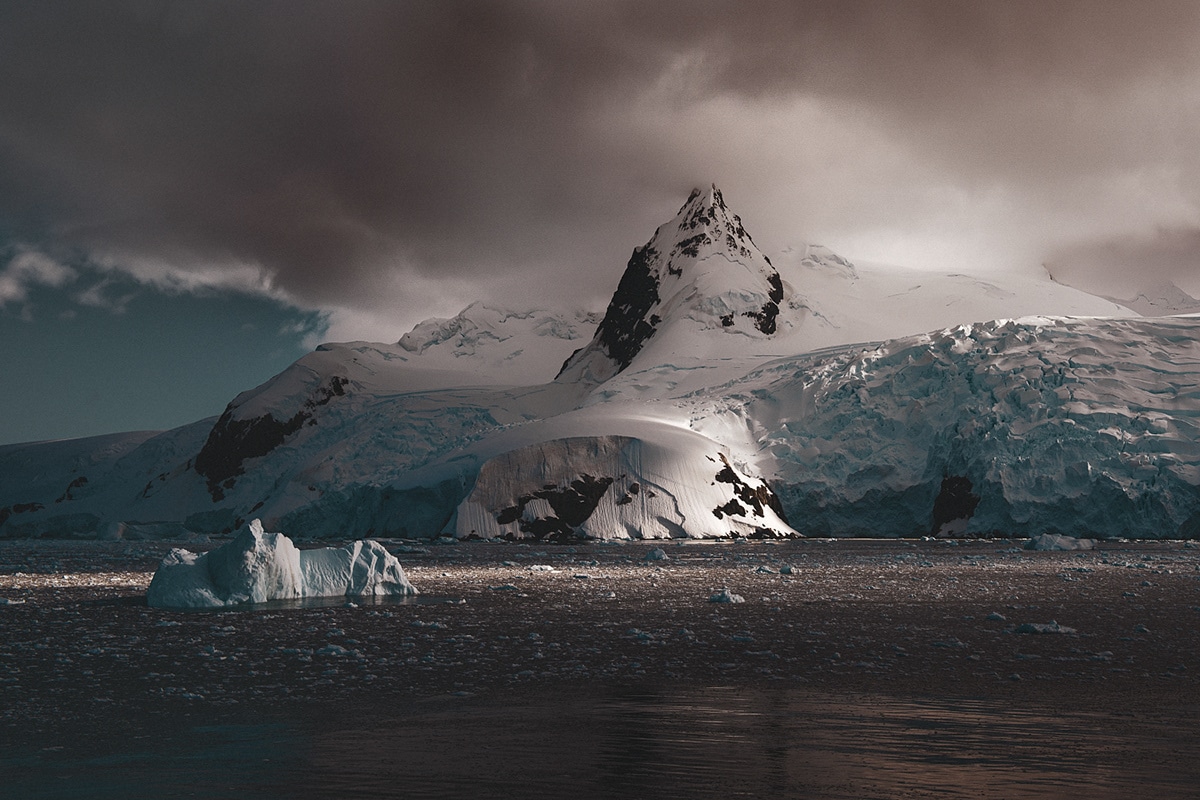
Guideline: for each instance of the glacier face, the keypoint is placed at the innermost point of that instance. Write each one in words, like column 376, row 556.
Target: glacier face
column 687, row 426
column 1040, row 425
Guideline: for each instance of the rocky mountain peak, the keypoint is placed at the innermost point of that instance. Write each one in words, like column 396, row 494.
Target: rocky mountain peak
column 702, row 267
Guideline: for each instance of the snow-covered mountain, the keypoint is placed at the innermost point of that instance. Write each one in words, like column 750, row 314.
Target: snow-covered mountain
column 721, row 394
column 698, row 283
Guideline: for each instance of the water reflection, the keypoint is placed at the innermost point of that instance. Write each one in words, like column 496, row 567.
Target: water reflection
column 664, row 742
column 725, row 742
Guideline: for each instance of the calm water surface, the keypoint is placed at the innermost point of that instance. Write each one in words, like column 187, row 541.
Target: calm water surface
column 680, row 742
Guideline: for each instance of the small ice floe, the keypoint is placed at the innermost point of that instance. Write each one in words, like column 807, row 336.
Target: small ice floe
column 726, row 596
column 7, row 601
column 787, row 569
column 657, row 554
column 1056, row 541
column 765, row 570
column 996, row 616
column 541, row 568
column 951, row 643
column 257, row 566
column 1043, row 627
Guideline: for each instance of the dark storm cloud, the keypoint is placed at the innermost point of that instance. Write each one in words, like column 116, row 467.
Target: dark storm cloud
column 335, row 151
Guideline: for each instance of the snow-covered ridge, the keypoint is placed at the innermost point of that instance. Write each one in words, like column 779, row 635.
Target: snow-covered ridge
column 1162, row 300
column 502, row 343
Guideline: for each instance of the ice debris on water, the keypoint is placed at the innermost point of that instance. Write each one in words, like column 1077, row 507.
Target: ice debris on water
column 657, row 554
column 257, row 566
column 726, row 596
column 1043, row 627
column 1056, row 541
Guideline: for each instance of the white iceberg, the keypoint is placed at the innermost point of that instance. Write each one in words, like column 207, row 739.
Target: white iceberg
column 1056, row 541
column 258, row 566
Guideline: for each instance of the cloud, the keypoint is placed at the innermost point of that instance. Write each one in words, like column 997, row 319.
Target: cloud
column 1122, row 266
column 28, row 269
column 378, row 159
column 99, row 295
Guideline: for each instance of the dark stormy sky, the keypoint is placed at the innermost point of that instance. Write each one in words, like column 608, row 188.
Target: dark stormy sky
column 275, row 173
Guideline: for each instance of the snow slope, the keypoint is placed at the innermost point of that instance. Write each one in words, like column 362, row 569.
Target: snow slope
column 741, row 396
column 498, row 346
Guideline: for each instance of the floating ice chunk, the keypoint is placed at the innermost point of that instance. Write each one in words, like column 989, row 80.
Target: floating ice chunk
column 1055, row 541
column 657, row 554
column 726, row 596
column 258, row 566
column 1043, row 627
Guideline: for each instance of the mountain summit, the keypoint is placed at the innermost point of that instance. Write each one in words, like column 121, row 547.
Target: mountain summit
column 701, row 267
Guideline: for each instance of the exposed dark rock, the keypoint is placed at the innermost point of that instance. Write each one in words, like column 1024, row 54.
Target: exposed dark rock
column 732, row 508
column 232, row 442
column 764, row 319
column 572, row 505
column 776, row 292
column 756, row 497
column 691, row 247
column 78, row 483
column 627, row 323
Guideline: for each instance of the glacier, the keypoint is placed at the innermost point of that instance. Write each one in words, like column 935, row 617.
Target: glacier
column 723, row 393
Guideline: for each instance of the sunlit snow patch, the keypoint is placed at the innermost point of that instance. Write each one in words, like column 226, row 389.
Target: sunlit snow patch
column 257, row 567
column 673, row 485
